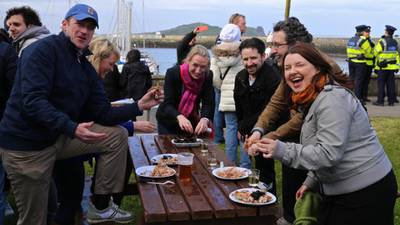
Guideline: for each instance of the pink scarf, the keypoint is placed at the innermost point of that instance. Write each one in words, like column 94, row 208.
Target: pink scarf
column 191, row 90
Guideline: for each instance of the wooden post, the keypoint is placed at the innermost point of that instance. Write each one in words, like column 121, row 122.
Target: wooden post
column 287, row 9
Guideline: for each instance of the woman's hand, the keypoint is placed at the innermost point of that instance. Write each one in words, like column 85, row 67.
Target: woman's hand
column 267, row 147
column 249, row 144
column 151, row 98
column 144, row 126
column 201, row 126
column 301, row 191
column 185, row 124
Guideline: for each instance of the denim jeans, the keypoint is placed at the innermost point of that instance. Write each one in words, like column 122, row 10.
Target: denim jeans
column 3, row 200
column 218, row 119
column 232, row 142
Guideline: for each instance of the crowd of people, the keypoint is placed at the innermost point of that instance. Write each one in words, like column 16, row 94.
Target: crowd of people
column 295, row 106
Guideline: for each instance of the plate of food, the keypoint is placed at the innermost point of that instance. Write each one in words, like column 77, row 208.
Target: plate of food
column 186, row 142
column 231, row 173
column 156, row 171
column 169, row 159
column 252, row 196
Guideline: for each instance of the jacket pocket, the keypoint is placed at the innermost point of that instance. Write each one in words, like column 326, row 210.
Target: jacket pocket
column 309, row 128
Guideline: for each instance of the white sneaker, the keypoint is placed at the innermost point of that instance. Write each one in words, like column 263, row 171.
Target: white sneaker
column 110, row 214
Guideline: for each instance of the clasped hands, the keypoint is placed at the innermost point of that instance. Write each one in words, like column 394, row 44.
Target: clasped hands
column 255, row 145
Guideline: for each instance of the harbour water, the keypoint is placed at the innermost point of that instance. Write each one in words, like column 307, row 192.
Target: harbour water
column 166, row 58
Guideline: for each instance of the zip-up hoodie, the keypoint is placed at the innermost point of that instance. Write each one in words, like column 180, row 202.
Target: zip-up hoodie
column 30, row 35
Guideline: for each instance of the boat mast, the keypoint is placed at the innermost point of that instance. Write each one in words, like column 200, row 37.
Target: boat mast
column 143, row 31
column 122, row 29
column 287, row 9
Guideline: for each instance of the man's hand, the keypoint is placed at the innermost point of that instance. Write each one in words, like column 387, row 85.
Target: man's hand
column 83, row 133
column 151, row 98
column 144, row 126
column 249, row 143
column 301, row 191
column 201, row 126
column 185, row 124
column 267, row 147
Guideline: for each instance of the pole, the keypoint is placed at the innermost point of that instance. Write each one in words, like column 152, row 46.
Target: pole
column 287, row 9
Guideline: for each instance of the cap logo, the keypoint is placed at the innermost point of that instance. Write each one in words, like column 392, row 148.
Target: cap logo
column 90, row 11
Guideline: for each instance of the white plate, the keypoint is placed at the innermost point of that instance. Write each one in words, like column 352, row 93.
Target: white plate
column 218, row 170
column 187, row 144
column 157, row 158
column 145, row 171
column 233, row 197
column 122, row 102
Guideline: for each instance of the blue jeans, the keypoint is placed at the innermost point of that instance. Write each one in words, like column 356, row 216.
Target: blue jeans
column 232, row 142
column 218, row 119
column 3, row 200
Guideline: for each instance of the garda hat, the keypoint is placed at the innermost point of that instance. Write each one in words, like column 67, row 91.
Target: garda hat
column 82, row 12
column 361, row 28
column 390, row 28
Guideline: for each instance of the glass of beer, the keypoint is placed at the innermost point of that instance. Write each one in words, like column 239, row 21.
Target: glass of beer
column 254, row 177
column 185, row 162
column 212, row 160
column 204, row 149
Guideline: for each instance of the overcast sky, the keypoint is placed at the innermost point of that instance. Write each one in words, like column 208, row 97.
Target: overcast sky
column 322, row 17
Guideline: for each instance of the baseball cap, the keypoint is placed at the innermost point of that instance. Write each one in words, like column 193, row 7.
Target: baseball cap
column 81, row 12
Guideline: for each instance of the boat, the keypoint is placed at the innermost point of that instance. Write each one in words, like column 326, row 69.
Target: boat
column 121, row 37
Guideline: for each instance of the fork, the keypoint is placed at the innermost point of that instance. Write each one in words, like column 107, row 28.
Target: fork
column 161, row 183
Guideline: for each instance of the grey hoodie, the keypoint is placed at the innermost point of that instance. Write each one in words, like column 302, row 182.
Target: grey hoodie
column 338, row 145
column 30, row 35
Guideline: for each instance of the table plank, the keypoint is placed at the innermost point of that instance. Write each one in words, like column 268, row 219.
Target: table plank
column 153, row 207
column 175, row 205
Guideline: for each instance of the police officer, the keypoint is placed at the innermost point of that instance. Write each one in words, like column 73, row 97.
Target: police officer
column 370, row 63
column 387, row 63
column 359, row 52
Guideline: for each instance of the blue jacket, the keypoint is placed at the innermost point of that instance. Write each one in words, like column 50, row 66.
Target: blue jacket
column 8, row 60
column 55, row 89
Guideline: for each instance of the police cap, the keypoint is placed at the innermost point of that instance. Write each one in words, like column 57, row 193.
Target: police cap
column 390, row 28
column 361, row 28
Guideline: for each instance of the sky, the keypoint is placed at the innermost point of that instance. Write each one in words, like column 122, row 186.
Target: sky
column 323, row 18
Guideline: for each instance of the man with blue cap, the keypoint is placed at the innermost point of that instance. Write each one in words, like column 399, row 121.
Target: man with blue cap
column 360, row 56
column 58, row 110
column 387, row 62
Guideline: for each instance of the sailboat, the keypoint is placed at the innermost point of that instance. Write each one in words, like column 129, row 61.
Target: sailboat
column 121, row 37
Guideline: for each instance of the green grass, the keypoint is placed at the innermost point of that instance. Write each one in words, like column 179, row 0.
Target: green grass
column 388, row 130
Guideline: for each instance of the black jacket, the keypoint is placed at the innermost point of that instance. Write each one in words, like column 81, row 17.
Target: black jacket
column 173, row 89
column 135, row 80
column 8, row 66
column 112, row 86
column 250, row 101
column 183, row 47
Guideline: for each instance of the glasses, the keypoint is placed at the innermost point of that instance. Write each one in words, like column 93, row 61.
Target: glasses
column 277, row 45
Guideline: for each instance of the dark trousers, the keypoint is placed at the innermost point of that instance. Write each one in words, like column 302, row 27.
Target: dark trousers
column 267, row 171
column 292, row 179
column 369, row 206
column 358, row 73
column 366, row 82
column 386, row 78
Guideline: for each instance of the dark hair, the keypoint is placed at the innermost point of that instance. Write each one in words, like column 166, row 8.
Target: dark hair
column 294, row 30
column 31, row 17
column 4, row 36
column 133, row 56
column 253, row 43
column 312, row 55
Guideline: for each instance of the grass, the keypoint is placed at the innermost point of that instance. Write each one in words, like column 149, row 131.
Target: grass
column 387, row 130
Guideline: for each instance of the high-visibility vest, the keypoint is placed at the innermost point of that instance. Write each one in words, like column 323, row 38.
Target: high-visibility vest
column 387, row 53
column 359, row 50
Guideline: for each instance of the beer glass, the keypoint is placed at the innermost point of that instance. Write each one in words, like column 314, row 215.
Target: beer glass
column 212, row 160
column 254, row 177
column 185, row 162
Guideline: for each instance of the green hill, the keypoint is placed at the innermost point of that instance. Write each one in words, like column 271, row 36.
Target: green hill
column 212, row 30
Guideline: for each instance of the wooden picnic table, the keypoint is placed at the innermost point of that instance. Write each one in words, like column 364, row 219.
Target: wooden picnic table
column 203, row 200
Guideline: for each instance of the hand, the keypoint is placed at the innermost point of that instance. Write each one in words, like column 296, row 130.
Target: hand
column 83, row 133
column 151, row 98
column 249, row 142
column 301, row 191
column 185, row 124
column 267, row 147
column 144, row 126
column 201, row 126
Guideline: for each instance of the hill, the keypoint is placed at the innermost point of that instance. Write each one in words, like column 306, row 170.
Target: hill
column 212, row 30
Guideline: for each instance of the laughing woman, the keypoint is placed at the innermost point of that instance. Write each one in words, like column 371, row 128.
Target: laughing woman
column 189, row 96
column 339, row 147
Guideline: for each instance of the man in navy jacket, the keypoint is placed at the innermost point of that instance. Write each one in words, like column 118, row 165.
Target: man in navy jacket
column 55, row 89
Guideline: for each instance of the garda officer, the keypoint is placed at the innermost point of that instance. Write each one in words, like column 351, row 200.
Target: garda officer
column 359, row 53
column 387, row 63
column 370, row 63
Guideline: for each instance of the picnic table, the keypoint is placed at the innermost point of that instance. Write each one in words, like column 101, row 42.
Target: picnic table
column 203, row 200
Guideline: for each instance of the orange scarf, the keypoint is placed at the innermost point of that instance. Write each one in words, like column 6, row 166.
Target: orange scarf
column 308, row 95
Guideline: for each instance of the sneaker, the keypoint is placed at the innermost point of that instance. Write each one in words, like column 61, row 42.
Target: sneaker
column 110, row 214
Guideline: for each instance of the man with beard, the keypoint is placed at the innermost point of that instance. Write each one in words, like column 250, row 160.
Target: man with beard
column 285, row 33
column 254, row 87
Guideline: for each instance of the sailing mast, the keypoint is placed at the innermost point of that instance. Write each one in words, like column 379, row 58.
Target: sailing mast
column 122, row 29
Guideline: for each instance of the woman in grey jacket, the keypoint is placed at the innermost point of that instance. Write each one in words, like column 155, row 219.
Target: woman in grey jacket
column 338, row 145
